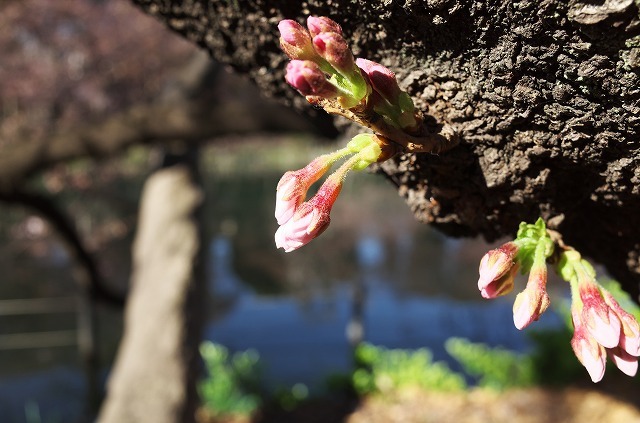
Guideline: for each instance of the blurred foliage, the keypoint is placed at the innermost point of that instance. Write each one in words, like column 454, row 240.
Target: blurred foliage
column 384, row 370
column 553, row 359
column 232, row 387
column 289, row 398
column 494, row 368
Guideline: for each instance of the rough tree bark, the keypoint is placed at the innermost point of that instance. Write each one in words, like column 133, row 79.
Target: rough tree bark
column 544, row 94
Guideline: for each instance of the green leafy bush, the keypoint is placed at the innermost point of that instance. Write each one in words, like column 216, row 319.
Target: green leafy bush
column 386, row 370
column 495, row 368
column 232, row 386
column 290, row 398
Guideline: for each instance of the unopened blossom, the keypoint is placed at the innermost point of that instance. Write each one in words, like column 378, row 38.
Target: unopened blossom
column 396, row 104
column 534, row 300
column 599, row 319
column 318, row 24
column 589, row 352
column 627, row 363
column 302, row 222
column 501, row 286
column 296, row 41
column 334, row 49
column 293, row 186
column 497, row 270
column 307, row 77
column 310, row 218
column 630, row 334
column 382, row 79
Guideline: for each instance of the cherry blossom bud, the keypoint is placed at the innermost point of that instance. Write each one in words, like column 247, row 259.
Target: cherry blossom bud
column 306, row 77
column 310, row 219
column 293, row 187
column 382, row 79
column 295, row 41
column 334, row 49
column 534, row 300
column 496, row 270
column 501, row 286
column 599, row 319
column 630, row 335
column 590, row 353
column 318, row 24
column 627, row 363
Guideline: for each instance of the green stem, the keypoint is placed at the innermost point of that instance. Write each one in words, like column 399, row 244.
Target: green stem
column 346, row 167
column 337, row 155
column 539, row 256
column 575, row 295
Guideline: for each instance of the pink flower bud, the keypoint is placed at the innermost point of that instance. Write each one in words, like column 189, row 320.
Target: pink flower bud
column 533, row 301
column 624, row 361
column 310, row 219
column 295, row 41
column 306, row 77
column 589, row 352
column 501, row 286
column 630, row 335
column 334, row 49
column 496, row 270
column 599, row 319
column 293, row 187
column 382, row 79
column 318, row 24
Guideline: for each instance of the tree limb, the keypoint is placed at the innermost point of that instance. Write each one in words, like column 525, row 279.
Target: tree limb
column 92, row 280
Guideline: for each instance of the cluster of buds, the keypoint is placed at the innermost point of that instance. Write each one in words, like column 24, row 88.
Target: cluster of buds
column 323, row 69
column 321, row 62
column 301, row 221
column 528, row 252
column 601, row 326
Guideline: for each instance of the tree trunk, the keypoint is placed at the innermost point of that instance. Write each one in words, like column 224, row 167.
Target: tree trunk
column 154, row 377
column 545, row 96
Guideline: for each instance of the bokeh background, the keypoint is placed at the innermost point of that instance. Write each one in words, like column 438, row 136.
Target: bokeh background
column 375, row 276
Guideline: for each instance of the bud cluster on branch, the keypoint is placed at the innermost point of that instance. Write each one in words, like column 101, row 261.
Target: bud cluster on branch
column 323, row 69
column 601, row 326
column 301, row 221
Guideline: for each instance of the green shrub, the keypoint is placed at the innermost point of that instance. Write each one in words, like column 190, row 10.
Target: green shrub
column 495, row 368
column 290, row 398
column 387, row 370
column 232, row 385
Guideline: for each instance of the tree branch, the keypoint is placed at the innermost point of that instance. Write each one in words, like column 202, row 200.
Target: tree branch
column 46, row 207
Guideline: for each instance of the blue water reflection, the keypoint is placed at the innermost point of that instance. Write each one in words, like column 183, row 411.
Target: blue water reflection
column 304, row 341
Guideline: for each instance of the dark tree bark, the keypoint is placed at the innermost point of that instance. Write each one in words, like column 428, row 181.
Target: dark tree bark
column 545, row 96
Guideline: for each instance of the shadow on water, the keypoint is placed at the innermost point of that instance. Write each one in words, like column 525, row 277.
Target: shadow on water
column 374, row 275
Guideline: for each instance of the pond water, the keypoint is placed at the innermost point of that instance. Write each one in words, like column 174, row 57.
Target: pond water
column 375, row 273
